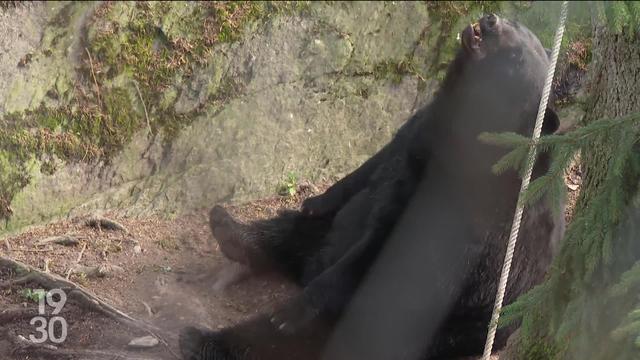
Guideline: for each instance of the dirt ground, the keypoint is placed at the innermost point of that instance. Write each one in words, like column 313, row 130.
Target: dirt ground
column 161, row 272
column 166, row 276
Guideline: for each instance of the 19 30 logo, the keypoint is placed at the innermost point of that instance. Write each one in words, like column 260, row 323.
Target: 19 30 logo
column 55, row 327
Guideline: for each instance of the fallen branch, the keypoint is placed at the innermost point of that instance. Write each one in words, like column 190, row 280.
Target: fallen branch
column 95, row 81
column 37, row 251
column 104, row 223
column 66, row 240
column 84, row 296
column 148, row 308
column 99, row 271
column 146, row 114
column 84, row 247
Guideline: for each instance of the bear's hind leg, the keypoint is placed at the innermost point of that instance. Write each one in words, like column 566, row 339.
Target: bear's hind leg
column 254, row 339
column 283, row 243
column 230, row 235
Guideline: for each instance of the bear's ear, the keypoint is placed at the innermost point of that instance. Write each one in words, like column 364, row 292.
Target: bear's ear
column 551, row 122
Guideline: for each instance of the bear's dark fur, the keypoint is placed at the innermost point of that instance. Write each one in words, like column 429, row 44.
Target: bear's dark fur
column 432, row 183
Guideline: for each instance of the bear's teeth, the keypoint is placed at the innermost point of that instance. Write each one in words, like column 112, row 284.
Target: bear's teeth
column 476, row 29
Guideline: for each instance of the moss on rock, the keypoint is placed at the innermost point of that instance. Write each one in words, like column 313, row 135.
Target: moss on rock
column 184, row 104
column 128, row 56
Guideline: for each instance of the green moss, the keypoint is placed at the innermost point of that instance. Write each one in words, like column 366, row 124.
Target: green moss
column 450, row 12
column 168, row 244
column 618, row 16
column 70, row 133
column 135, row 51
column 120, row 123
column 82, row 131
column 157, row 42
column 12, row 179
column 169, row 97
column 9, row 4
column 395, row 71
column 449, row 17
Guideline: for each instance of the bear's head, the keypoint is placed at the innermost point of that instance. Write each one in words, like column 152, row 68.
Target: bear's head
column 495, row 36
column 501, row 67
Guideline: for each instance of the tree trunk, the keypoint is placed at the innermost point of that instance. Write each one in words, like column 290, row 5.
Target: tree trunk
column 613, row 88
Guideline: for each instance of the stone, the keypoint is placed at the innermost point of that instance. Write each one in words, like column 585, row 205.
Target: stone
column 144, row 342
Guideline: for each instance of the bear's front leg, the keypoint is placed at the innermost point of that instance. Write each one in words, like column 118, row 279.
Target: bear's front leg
column 255, row 339
column 198, row 344
column 326, row 296
column 329, row 202
column 295, row 315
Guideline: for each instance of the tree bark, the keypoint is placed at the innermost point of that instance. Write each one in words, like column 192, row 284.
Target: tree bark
column 613, row 89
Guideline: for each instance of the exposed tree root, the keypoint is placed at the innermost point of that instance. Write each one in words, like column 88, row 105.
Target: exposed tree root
column 52, row 352
column 8, row 315
column 48, row 251
column 66, row 240
column 19, row 313
column 19, row 281
column 98, row 271
column 22, row 343
column 104, row 223
column 83, row 296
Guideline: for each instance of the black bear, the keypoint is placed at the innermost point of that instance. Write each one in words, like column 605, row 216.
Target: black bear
column 403, row 255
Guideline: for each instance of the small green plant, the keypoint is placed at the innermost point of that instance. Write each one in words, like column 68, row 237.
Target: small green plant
column 289, row 185
column 81, row 278
column 34, row 295
column 168, row 244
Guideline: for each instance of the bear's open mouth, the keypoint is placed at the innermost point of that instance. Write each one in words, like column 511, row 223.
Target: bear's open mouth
column 472, row 37
column 477, row 33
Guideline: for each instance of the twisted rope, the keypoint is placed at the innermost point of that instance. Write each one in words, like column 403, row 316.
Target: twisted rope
column 517, row 218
